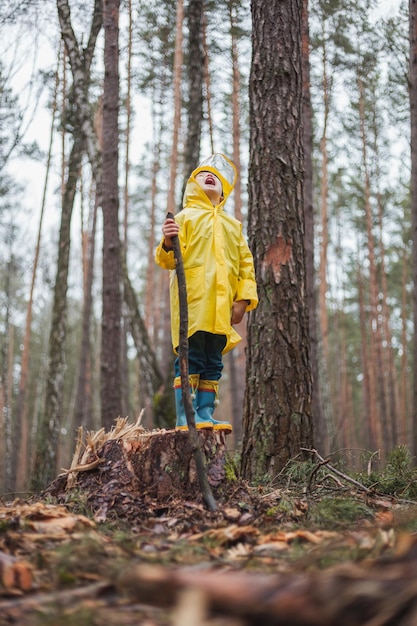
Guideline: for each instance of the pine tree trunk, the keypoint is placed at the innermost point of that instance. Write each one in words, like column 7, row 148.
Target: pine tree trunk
column 413, row 122
column 405, row 402
column 324, row 190
column 151, row 308
column 391, row 386
column 83, row 403
column 178, row 56
column 320, row 429
column 111, row 378
column 195, row 68
column 369, row 416
column 377, row 390
column 237, row 358
column 277, row 417
column 207, row 82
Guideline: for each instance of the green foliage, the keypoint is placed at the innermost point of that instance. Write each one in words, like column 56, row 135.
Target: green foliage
column 340, row 511
column 231, row 469
column 398, row 478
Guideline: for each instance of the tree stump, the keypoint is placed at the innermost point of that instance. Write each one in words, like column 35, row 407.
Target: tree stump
column 133, row 464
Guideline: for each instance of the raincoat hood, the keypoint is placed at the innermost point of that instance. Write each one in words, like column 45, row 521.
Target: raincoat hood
column 220, row 166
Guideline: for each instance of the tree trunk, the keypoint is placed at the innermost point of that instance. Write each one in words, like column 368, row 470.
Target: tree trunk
column 195, row 68
column 83, row 404
column 324, row 191
column 369, row 415
column 207, row 83
column 178, row 56
column 405, row 402
column 377, row 389
column 413, row 121
column 111, row 382
column 80, row 68
column 320, row 430
column 151, row 307
column 277, row 417
column 237, row 357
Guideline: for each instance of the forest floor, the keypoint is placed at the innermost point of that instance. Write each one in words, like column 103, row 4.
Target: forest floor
column 314, row 547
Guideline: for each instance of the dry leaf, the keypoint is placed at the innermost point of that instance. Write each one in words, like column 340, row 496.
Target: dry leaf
column 241, row 551
column 232, row 514
column 270, row 548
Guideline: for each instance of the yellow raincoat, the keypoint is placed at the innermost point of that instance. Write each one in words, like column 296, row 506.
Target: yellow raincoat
column 218, row 264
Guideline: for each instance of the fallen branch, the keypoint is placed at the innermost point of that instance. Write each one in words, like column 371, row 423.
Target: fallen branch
column 325, row 462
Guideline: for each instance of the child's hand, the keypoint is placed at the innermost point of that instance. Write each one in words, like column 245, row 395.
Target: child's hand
column 238, row 311
column 169, row 229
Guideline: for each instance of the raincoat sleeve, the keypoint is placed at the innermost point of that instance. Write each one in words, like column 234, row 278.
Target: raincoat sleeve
column 246, row 286
column 164, row 258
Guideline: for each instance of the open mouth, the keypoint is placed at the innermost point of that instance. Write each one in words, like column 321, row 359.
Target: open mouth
column 210, row 180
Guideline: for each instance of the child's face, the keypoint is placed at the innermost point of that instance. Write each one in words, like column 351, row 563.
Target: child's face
column 211, row 185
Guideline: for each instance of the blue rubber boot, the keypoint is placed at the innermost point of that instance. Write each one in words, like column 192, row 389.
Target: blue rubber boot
column 181, row 423
column 206, row 403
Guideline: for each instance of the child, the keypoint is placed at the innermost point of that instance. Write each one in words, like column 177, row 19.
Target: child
column 220, row 279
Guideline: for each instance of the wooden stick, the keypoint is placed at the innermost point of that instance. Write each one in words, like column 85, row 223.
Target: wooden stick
column 185, row 384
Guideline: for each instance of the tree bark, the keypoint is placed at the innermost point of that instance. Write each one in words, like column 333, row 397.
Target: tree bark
column 413, row 122
column 237, row 357
column 195, row 66
column 178, row 57
column 319, row 420
column 83, row 404
column 207, row 82
column 111, row 382
column 277, row 417
column 377, row 386
column 324, row 191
